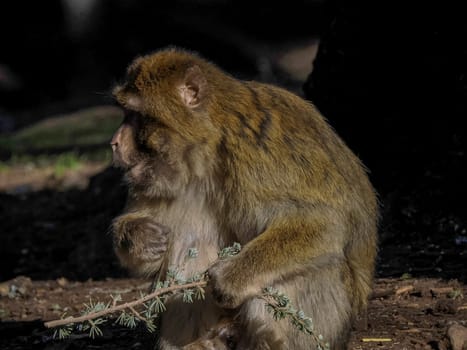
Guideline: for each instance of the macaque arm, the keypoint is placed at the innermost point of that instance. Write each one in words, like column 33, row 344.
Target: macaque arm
column 290, row 247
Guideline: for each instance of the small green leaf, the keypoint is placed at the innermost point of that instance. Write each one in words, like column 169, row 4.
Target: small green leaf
column 159, row 305
column 230, row 251
column 193, row 253
column 188, row 295
column 199, row 293
column 121, row 319
column 150, row 326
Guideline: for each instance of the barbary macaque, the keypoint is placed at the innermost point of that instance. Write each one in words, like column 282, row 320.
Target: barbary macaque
column 211, row 160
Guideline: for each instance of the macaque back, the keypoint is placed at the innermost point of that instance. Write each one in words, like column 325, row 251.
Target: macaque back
column 211, row 160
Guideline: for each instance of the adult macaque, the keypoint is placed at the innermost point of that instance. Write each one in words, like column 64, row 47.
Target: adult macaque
column 211, row 160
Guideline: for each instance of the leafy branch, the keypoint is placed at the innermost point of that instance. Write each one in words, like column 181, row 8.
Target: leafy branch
column 152, row 305
column 130, row 305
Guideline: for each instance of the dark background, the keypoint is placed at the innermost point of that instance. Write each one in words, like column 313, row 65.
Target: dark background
column 389, row 78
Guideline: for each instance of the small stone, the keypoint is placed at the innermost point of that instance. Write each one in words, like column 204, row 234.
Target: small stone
column 18, row 286
column 446, row 306
column 4, row 289
column 62, row 281
column 23, row 285
column 458, row 337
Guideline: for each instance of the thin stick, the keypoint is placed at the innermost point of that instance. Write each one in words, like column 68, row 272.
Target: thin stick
column 404, row 289
column 136, row 313
column 129, row 305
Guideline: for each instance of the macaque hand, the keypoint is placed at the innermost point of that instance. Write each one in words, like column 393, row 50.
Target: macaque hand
column 143, row 238
column 230, row 283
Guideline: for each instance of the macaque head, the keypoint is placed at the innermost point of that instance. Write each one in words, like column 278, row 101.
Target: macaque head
column 163, row 141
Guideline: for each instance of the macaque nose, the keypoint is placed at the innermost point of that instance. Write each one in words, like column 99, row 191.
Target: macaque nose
column 116, row 138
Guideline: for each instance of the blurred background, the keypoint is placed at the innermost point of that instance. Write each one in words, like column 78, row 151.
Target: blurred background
column 391, row 80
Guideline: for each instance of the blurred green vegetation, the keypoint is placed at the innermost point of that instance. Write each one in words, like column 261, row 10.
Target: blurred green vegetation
column 87, row 127
column 63, row 142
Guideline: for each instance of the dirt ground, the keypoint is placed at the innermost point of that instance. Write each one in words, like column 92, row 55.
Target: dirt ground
column 402, row 314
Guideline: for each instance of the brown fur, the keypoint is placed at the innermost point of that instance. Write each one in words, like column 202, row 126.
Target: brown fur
column 217, row 160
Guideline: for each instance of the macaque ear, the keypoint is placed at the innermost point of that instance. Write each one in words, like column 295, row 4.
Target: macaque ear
column 194, row 86
column 130, row 101
column 134, row 102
